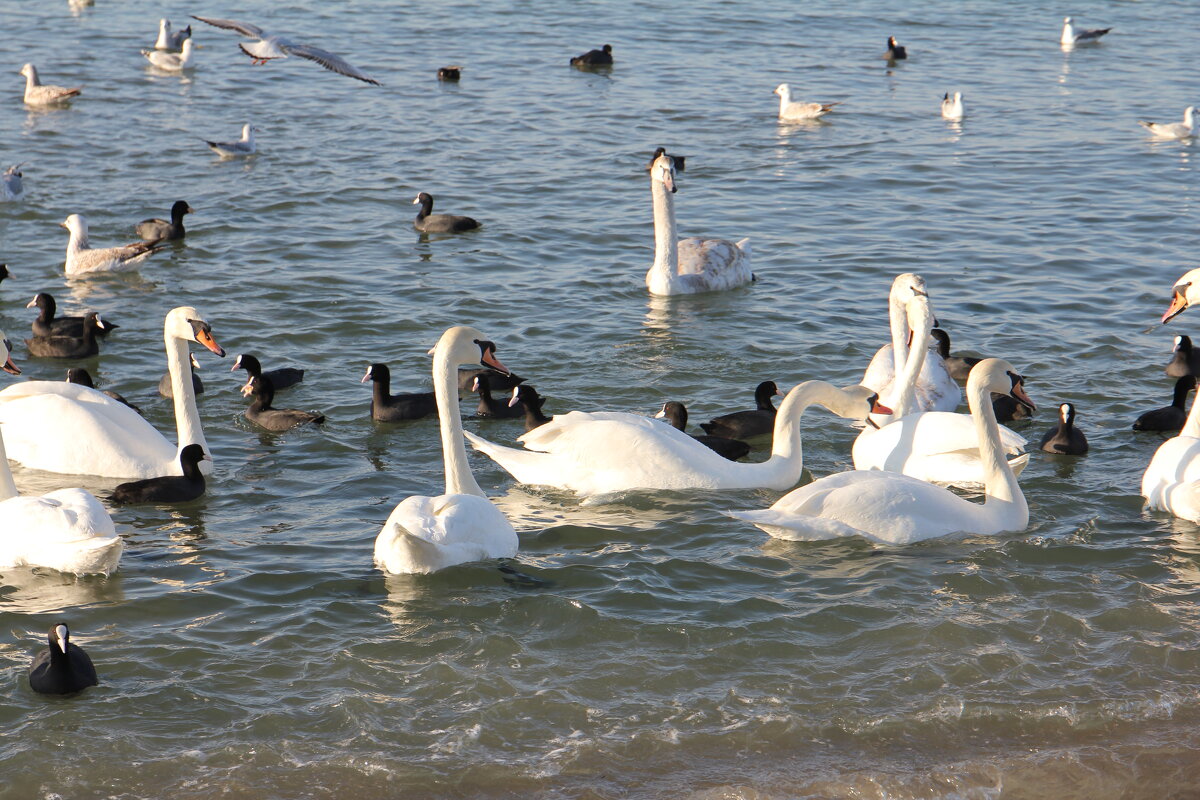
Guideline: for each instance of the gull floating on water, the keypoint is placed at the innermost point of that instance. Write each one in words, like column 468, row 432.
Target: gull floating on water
column 793, row 110
column 169, row 39
column 242, row 147
column 171, row 62
column 1174, row 130
column 1071, row 36
column 83, row 259
column 38, row 95
column 268, row 47
column 11, row 187
column 952, row 107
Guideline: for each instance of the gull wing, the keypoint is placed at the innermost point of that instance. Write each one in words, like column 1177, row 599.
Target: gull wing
column 329, row 61
column 244, row 28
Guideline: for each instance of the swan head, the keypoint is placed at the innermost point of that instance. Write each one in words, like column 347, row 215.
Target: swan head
column 1185, row 292
column 186, row 323
column 908, row 285
column 76, row 224
column 663, row 171
column 464, row 345
column 997, row 376
column 859, row 403
column 6, row 362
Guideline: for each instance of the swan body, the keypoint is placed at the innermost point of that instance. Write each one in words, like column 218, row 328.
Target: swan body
column 171, row 62
column 1172, row 480
column 890, row 508
column 1174, row 130
column 604, row 452
column 68, row 428
column 952, row 107
column 426, row 534
column 790, row 109
column 38, row 95
column 694, row 265
column 82, row 259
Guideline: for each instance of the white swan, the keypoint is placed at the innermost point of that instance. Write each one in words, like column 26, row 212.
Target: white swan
column 937, row 446
column 689, row 266
column 935, row 389
column 82, row 259
column 425, row 534
column 67, row 530
column 65, row 427
column 891, row 508
column 1174, row 130
column 604, row 452
column 790, row 109
column 1184, row 293
column 1172, row 480
column 952, row 107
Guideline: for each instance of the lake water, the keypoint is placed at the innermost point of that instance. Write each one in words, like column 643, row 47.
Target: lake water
column 249, row 649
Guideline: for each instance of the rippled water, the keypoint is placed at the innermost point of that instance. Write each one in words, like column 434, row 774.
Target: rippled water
column 248, row 648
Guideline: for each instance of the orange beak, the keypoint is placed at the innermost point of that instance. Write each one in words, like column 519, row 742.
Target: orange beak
column 1179, row 304
column 489, row 360
column 879, row 408
column 10, row 367
column 205, row 338
column 1018, row 392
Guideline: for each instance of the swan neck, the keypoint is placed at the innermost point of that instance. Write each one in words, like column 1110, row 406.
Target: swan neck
column 904, row 402
column 786, row 445
column 898, row 321
column 666, row 241
column 459, row 479
column 1192, row 426
column 1000, row 484
column 188, row 429
column 8, row 488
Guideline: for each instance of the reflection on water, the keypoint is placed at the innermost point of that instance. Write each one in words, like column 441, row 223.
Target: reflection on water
column 43, row 591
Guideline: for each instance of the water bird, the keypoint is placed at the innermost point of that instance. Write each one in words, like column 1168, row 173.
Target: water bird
column 693, row 265
column 676, row 415
column 38, row 95
column 268, row 47
column 155, row 229
column 679, row 162
column 1070, row 36
column 12, row 187
column 496, row 380
column 281, row 377
column 594, row 58
column 489, row 407
column 1186, row 359
column 4, row 273
column 169, row 39
column 387, row 407
column 171, row 62
column 1172, row 417
column 428, row 222
column 1064, row 438
column 47, row 324
column 790, row 109
column 890, row 508
column 895, row 52
column 82, row 377
column 167, row 488
column 745, row 424
column 83, row 259
column 1171, row 481
column 1009, row 410
column 959, row 367
column 63, row 667
column 952, row 107
column 1174, row 130
column 426, row 534
column 242, row 147
column 529, row 399
column 1185, row 292
column 262, row 414
column 60, row 346
column 604, row 452
column 164, row 383
column 451, row 73
column 62, row 427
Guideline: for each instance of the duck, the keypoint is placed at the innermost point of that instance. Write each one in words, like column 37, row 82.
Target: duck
column 167, row 488
column 1173, row 130
column 1185, row 361
column 451, row 73
column 59, row 346
column 156, row 230
column 38, row 95
column 894, row 509
column 278, row 420
column 63, row 667
column 1064, row 438
column 1072, row 37
column 386, row 407
column 1172, row 417
column 1184, row 293
column 426, row 534
column 594, row 58
column 12, row 186
column 171, row 62
column 747, row 424
column 67, row 530
column 935, row 446
column 281, row 377
column 895, row 52
column 165, row 382
column 428, row 222
column 790, row 109
column 679, row 162
column 242, row 147
column 169, row 39
column 491, row 408
column 676, row 415
column 952, row 107
column 529, row 399
column 83, row 260
column 1171, row 481
column 693, row 265
column 47, row 324
column 82, row 377
column 959, row 367
column 63, row 427
column 600, row 453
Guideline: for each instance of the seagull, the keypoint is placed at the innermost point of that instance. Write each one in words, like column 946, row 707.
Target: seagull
column 169, row 39
column 242, row 147
column 269, row 47
column 1069, row 36
column 38, row 95
column 952, row 107
column 11, row 187
column 171, row 62
column 792, row 110
column 83, row 259
column 1173, row 130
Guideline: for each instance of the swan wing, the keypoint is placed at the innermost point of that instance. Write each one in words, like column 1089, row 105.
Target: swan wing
column 425, row 534
column 881, row 371
column 1176, row 464
column 707, row 265
column 67, row 530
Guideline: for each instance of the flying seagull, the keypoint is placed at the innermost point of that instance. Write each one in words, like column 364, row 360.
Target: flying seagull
column 269, row 47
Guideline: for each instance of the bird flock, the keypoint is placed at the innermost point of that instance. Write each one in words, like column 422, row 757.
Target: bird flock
column 913, row 444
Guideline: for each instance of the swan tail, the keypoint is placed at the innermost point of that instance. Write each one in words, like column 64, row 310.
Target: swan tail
column 90, row 556
column 796, row 527
column 401, row 552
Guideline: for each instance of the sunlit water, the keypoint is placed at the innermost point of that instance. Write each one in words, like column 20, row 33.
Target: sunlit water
column 248, row 648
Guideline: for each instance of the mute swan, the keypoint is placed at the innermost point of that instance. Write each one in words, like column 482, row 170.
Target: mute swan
column 38, row 95
column 790, row 109
column 63, row 427
column 689, row 266
column 1064, row 438
column 83, row 259
column 891, row 508
column 1071, row 36
column 604, row 452
column 1172, row 480
column 1173, row 130
column 153, row 230
column 67, row 529
column 952, row 107
column 934, row 389
column 63, row 667
column 935, row 446
column 1185, row 292
column 425, row 534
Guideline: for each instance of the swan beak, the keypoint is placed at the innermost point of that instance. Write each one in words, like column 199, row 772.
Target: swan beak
column 489, row 360
column 910, row 337
column 366, row 377
column 1178, row 305
column 516, row 398
column 1018, row 393
column 669, row 181
column 879, row 408
column 205, row 338
column 10, row 367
